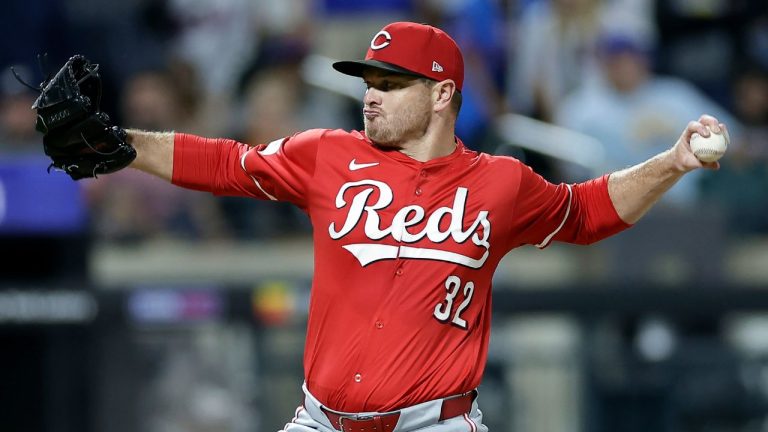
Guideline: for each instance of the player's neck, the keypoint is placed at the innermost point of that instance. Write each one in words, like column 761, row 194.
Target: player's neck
column 436, row 143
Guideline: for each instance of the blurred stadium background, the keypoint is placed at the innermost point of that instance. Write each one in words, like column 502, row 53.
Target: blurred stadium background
column 128, row 305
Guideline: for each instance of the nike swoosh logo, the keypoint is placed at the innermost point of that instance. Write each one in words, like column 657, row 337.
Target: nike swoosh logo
column 354, row 166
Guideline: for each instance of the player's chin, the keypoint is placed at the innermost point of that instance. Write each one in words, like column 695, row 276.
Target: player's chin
column 371, row 124
column 378, row 136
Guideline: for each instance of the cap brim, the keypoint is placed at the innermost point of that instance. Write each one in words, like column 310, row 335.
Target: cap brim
column 356, row 67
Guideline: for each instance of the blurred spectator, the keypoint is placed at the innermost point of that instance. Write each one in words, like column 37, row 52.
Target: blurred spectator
column 344, row 27
column 28, row 28
column 222, row 39
column 355, row 6
column 553, row 50
column 740, row 185
column 147, row 207
column 124, row 39
column 17, row 120
column 702, row 40
column 150, row 102
column 750, row 102
column 756, row 38
column 633, row 112
column 216, row 37
column 277, row 103
column 478, row 28
column 32, row 27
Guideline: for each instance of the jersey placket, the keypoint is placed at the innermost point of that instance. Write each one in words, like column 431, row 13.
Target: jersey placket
column 418, row 191
column 377, row 326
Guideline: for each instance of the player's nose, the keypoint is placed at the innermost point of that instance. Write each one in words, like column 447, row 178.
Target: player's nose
column 372, row 97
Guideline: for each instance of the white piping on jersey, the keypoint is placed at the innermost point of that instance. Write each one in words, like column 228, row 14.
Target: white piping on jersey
column 367, row 253
column 272, row 147
column 295, row 417
column 546, row 240
column 242, row 164
column 472, row 425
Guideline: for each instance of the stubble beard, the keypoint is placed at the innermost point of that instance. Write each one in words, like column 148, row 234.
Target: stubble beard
column 407, row 124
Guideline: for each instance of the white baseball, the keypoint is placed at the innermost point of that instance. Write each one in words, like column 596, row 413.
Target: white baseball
column 709, row 149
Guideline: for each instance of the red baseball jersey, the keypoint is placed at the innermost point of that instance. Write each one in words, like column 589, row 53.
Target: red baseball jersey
column 400, row 308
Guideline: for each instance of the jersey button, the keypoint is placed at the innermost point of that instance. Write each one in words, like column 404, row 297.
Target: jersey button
column 418, row 191
column 358, row 377
column 399, row 271
column 379, row 325
column 423, row 173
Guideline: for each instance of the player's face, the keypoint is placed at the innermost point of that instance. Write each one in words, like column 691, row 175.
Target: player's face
column 397, row 107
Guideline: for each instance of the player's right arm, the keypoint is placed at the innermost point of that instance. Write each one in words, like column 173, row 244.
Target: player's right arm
column 154, row 152
column 590, row 211
column 636, row 189
column 278, row 171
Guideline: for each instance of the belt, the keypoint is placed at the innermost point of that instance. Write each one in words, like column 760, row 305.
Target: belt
column 451, row 407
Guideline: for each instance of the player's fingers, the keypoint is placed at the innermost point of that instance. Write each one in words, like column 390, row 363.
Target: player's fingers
column 695, row 127
column 724, row 130
column 711, row 122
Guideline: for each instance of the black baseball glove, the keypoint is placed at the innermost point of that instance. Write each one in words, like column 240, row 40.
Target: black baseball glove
column 79, row 139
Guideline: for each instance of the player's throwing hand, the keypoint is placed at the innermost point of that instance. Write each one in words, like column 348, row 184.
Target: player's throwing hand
column 706, row 127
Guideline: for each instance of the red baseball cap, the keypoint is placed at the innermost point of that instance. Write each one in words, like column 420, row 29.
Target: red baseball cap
column 412, row 49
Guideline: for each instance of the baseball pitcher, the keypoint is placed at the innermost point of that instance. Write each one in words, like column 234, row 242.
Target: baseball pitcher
column 408, row 225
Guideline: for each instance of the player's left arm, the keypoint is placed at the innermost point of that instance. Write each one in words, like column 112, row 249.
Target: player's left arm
column 635, row 190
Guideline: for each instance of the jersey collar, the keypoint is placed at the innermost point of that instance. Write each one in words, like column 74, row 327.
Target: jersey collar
column 401, row 157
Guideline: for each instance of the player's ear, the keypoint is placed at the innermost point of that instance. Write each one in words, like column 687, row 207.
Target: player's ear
column 442, row 93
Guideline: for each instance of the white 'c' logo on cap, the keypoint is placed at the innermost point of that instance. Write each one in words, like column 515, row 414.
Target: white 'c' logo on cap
column 387, row 39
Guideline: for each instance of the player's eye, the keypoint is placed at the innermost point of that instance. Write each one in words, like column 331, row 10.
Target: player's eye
column 385, row 85
column 381, row 85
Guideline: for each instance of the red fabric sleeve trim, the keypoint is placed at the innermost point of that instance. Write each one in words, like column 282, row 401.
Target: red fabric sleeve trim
column 192, row 156
column 595, row 203
column 211, row 165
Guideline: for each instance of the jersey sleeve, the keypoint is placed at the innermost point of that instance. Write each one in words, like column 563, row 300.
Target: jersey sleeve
column 278, row 171
column 580, row 213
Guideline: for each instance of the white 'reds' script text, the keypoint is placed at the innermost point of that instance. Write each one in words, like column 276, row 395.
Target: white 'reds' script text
column 478, row 232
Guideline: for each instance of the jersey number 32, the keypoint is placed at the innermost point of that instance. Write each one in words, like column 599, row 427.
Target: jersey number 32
column 445, row 310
